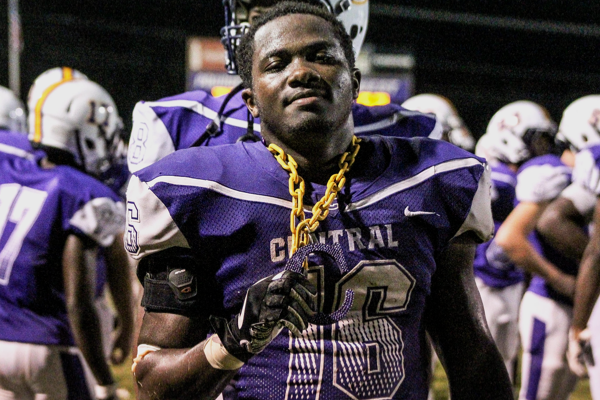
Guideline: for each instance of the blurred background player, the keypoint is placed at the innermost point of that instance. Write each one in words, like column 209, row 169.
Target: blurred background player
column 545, row 311
column 55, row 218
column 115, row 176
column 454, row 129
column 12, row 112
column 565, row 224
column 197, row 119
column 510, row 140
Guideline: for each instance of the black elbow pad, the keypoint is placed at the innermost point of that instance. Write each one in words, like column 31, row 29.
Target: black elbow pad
column 173, row 282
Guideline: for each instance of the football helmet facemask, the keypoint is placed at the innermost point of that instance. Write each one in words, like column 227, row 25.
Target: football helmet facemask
column 12, row 112
column 354, row 14
column 454, row 129
column 580, row 123
column 514, row 130
column 79, row 117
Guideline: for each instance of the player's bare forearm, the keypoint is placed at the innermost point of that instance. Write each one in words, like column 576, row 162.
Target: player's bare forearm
column 180, row 374
column 82, row 312
column 120, row 277
column 179, row 370
column 513, row 238
column 456, row 322
column 535, row 263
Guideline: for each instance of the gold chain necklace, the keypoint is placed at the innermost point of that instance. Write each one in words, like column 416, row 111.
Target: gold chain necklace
column 301, row 231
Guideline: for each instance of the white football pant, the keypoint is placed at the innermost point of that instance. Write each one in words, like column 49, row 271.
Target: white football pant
column 544, row 327
column 502, row 314
column 38, row 372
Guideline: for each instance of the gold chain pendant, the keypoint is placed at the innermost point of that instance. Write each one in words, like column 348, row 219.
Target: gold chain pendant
column 301, row 231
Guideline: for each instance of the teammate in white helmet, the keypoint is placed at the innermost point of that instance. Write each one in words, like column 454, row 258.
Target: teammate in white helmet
column 59, row 217
column 545, row 310
column 565, row 224
column 454, row 129
column 516, row 133
column 198, row 119
column 12, row 112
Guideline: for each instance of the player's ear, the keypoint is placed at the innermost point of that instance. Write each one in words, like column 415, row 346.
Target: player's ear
column 248, row 97
column 356, row 76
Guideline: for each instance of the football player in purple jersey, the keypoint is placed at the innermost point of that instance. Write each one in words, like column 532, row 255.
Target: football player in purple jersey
column 512, row 137
column 196, row 118
column 54, row 218
column 545, row 310
column 243, row 281
column 565, row 224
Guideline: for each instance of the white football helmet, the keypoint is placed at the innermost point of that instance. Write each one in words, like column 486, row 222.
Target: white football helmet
column 454, row 129
column 48, row 78
column 580, row 123
column 512, row 130
column 80, row 117
column 354, row 14
column 12, row 112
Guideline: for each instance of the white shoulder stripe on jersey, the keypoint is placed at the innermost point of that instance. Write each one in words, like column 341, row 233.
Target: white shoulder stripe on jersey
column 15, row 151
column 199, row 108
column 413, row 181
column 217, row 187
column 374, row 198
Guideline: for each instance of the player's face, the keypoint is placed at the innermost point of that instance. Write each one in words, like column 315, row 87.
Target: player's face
column 302, row 84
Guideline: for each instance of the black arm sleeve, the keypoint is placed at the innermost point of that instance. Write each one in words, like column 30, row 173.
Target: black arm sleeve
column 175, row 282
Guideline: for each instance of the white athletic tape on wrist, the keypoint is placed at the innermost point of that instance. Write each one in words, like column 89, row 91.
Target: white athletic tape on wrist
column 106, row 391
column 142, row 351
column 218, row 356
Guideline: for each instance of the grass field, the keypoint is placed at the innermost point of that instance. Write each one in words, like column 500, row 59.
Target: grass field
column 440, row 384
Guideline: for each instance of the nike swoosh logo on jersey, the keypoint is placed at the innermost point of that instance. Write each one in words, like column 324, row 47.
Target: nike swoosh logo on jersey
column 409, row 213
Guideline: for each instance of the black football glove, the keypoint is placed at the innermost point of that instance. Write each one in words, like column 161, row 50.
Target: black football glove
column 286, row 299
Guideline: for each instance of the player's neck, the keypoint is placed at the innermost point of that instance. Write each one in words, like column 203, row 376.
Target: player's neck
column 317, row 161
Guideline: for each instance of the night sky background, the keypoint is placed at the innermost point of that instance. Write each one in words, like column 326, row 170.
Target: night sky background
column 480, row 54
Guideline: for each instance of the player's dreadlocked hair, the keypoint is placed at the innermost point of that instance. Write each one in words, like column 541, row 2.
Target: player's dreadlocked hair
column 245, row 50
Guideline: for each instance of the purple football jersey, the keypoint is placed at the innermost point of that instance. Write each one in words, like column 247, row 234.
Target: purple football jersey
column 543, row 179
column 39, row 208
column 17, row 144
column 177, row 122
column 491, row 263
column 404, row 200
